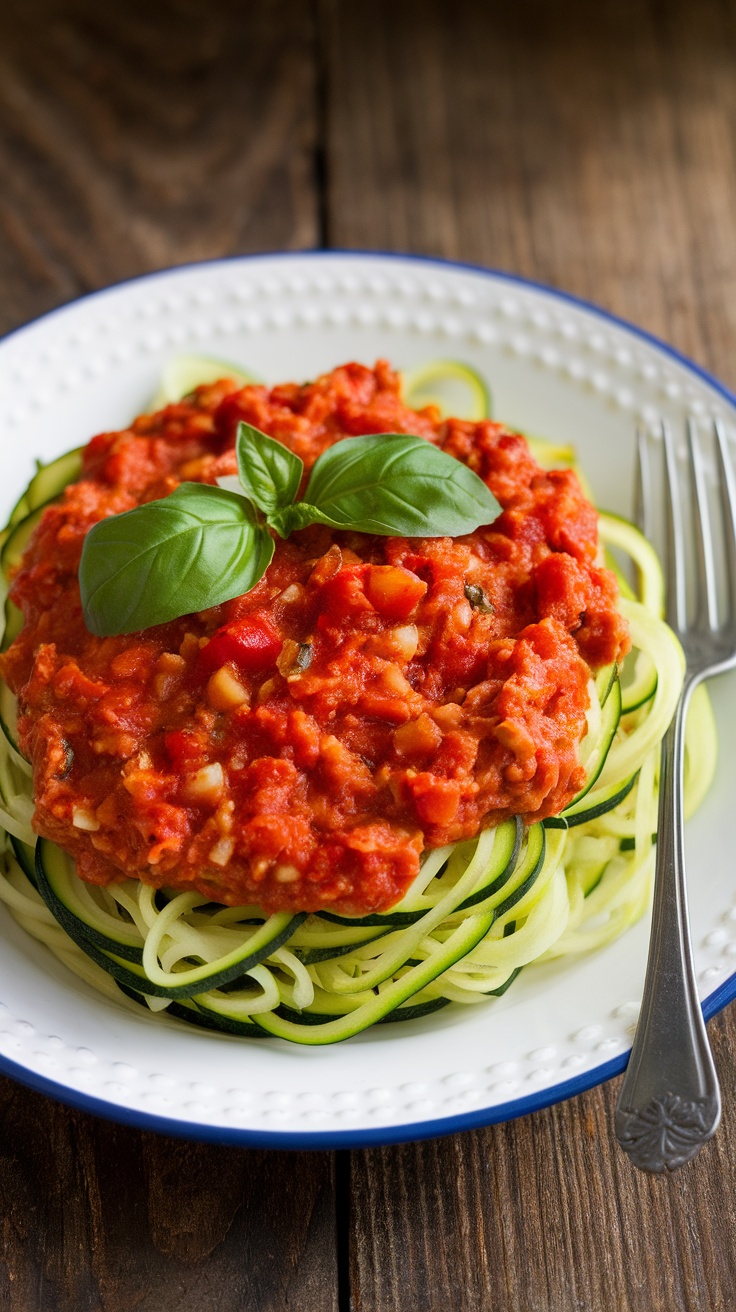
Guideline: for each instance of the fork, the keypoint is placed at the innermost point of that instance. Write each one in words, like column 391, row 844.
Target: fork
column 670, row 1103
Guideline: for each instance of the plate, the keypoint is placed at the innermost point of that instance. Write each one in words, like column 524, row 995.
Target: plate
column 557, row 368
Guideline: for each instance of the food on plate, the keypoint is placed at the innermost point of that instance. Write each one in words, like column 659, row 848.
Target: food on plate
column 322, row 699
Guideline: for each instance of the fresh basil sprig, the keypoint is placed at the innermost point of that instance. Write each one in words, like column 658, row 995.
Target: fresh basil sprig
column 394, row 484
column 269, row 472
column 196, row 548
column 204, row 545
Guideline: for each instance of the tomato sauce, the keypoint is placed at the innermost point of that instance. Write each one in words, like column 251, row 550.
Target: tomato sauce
column 299, row 747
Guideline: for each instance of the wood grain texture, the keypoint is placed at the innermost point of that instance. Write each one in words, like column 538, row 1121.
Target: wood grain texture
column 588, row 146
column 591, row 147
column 545, row 1214
column 103, row 1218
column 138, row 135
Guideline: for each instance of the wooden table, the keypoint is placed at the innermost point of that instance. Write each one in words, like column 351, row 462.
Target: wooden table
column 589, row 146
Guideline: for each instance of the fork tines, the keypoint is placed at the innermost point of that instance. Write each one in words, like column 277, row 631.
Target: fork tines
column 691, row 503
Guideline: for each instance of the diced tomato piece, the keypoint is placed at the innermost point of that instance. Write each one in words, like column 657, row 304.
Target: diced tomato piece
column 343, row 595
column 183, row 748
column 251, row 643
column 393, row 591
column 436, row 800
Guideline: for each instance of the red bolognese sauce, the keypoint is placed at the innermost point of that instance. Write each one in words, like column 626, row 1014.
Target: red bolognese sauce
column 300, row 746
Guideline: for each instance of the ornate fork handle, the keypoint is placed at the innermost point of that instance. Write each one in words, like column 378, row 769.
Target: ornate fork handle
column 670, row 1103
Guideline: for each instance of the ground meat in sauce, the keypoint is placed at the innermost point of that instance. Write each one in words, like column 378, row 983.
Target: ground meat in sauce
column 300, row 746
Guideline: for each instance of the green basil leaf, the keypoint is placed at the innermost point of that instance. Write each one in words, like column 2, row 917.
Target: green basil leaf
column 194, row 549
column 299, row 515
column 269, row 472
column 394, row 484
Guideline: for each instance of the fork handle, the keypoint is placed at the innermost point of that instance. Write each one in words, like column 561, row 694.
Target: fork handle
column 670, row 1102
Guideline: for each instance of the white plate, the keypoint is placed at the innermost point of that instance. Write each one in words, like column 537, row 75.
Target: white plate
column 557, row 368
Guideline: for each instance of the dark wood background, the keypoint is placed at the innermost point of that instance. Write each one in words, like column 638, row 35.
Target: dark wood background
column 592, row 146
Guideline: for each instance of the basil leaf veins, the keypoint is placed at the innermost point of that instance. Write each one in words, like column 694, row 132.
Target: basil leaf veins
column 204, row 545
column 394, row 484
column 194, row 549
column 269, row 472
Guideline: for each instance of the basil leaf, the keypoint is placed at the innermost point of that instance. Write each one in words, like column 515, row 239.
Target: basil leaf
column 299, row 515
column 194, row 549
column 394, row 484
column 269, row 472
column 478, row 599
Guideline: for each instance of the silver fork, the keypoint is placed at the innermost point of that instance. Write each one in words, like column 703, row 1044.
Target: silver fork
column 670, row 1102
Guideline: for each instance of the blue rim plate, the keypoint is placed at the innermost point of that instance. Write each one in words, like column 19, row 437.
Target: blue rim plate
column 557, row 366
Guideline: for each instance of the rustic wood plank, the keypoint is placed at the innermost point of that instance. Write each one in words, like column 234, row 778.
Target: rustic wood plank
column 545, row 1214
column 140, row 135
column 590, row 147
column 134, row 136
column 103, row 1218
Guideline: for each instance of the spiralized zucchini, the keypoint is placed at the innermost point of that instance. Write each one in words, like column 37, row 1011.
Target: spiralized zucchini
column 476, row 914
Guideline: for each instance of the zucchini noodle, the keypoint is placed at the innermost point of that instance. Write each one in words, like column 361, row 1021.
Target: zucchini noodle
column 477, row 912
